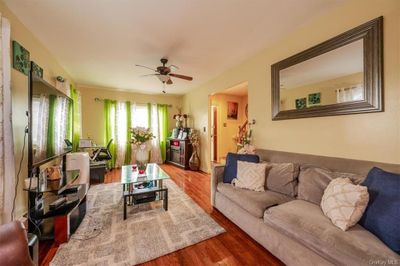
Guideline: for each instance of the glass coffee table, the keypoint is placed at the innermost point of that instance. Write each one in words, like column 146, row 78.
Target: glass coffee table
column 142, row 188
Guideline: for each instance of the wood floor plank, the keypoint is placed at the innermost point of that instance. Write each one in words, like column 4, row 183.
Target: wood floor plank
column 234, row 247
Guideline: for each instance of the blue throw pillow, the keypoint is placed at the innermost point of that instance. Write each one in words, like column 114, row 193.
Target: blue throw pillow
column 382, row 216
column 230, row 170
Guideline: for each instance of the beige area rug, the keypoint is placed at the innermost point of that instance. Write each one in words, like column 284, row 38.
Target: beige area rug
column 104, row 238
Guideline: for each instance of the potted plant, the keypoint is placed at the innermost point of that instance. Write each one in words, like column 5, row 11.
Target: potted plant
column 140, row 138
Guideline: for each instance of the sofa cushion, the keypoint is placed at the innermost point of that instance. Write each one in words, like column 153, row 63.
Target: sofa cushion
column 314, row 180
column 230, row 171
column 305, row 222
column 344, row 203
column 382, row 216
column 282, row 178
column 253, row 202
column 250, row 176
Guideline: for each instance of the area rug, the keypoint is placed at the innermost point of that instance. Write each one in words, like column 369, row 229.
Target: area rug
column 104, row 238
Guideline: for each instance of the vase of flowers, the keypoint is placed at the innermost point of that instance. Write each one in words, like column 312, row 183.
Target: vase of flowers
column 140, row 138
column 180, row 120
column 243, row 142
column 194, row 161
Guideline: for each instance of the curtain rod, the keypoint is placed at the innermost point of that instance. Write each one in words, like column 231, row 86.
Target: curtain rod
column 102, row 100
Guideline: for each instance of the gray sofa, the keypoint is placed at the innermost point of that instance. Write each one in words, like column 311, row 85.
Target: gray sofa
column 296, row 230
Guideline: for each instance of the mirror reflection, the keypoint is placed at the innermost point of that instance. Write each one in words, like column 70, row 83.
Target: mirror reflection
column 333, row 77
column 51, row 121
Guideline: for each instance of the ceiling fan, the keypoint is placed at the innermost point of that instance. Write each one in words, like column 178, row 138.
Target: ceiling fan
column 163, row 73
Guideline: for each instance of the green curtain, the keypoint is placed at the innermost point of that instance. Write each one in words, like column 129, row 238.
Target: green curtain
column 109, row 129
column 51, row 126
column 162, row 110
column 76, row 120
column 149, row 115
column 128, row 148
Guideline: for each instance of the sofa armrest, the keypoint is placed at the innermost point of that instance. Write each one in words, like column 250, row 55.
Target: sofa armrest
column 14, row 245
column 217, row 174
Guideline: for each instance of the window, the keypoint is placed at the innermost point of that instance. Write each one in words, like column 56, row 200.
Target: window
column 140, row 117
column 117, row 124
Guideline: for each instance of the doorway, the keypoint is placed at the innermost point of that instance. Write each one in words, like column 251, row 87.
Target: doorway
column 228, row 118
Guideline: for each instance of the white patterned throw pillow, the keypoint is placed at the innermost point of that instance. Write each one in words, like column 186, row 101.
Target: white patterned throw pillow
column 250, row 176
column 344, row 203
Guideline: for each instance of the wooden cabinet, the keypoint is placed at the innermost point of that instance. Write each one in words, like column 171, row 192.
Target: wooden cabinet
column 179, row 152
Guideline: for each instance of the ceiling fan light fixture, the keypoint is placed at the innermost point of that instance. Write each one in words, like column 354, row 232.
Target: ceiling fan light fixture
column 163, row 78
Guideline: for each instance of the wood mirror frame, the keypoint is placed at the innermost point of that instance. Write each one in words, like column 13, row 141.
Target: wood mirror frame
column 372, row 35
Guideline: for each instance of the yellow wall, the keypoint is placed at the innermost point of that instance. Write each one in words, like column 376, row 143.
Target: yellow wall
column 228, row 128
column 373, row 136
column 326, row 88
column 19, row 86
column 92, row 112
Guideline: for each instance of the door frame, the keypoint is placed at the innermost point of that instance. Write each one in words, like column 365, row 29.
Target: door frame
column 214, row 133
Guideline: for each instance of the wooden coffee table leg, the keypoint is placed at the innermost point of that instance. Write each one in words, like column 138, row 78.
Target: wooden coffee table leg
column 165, row 200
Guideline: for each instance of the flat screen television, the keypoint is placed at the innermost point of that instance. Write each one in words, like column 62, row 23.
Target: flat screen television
column 50, row 122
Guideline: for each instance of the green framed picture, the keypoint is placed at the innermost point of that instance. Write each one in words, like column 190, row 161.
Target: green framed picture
column 37, row 70
column 301, row 103
column 20, row 58
column 314, row 99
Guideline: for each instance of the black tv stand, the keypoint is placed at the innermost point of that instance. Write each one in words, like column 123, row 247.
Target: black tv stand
column 59, row 223
column 70, row 190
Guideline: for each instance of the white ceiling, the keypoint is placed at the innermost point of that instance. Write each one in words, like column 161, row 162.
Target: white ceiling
column 98, row 42
column 343, row 61
column 237, row 90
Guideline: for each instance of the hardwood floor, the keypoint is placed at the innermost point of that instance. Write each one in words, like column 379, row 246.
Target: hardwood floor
column 234, row 247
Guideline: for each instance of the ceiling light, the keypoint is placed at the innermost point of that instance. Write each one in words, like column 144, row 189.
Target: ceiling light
column 163, row 78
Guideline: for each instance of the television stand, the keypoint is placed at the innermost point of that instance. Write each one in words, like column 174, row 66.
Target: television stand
column 61, row 222
column 66, row 223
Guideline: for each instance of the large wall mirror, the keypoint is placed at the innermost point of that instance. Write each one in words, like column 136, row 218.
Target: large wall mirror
column 340, row 76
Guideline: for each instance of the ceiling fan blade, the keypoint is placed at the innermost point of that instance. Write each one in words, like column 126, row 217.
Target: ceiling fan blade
column 146, row 67
column 149, row 75
column 180, row 76
column 169, row 82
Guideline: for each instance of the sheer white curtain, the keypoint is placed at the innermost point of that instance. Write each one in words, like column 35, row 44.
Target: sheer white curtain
column 121, row 132
column 61, row 123
column 7, row 170
column 155, row 154
column 40, row 109
column 350, row 94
